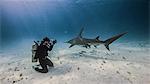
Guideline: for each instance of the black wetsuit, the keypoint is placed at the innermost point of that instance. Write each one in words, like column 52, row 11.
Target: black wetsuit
column 41, row 54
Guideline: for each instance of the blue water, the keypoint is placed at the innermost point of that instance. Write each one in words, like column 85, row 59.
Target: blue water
column 63, row 19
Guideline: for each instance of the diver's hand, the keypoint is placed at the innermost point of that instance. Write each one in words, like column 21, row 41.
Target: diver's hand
column 55, row 41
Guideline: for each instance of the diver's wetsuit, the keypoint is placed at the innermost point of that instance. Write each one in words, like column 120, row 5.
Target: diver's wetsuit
column 41, row 54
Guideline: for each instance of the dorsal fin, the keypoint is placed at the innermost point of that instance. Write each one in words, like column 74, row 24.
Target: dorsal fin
column 97, row 38
column 81, row 31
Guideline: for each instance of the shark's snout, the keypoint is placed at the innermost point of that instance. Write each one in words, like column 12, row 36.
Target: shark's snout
column 70, row 41
column 67, row 42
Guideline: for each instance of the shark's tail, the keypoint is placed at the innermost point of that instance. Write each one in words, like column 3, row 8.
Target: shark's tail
column 112, row 39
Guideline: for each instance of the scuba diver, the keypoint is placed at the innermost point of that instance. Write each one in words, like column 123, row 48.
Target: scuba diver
column 42, row 53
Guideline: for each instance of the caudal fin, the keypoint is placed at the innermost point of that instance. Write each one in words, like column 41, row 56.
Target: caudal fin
column 112, row 39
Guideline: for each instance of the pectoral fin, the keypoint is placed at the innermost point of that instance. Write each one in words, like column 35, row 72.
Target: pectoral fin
column 71, row 46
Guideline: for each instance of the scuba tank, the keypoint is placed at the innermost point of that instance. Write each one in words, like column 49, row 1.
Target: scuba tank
column 34, row 49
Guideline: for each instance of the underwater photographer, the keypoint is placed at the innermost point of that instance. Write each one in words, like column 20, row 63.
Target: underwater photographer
column 41, row 54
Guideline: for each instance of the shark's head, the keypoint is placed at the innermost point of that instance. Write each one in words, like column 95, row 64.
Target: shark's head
column 72, row 41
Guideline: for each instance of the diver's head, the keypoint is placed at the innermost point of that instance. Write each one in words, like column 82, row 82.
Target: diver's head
column 46, row 39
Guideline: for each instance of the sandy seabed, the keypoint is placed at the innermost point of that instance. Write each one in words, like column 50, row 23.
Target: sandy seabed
column 122, row 65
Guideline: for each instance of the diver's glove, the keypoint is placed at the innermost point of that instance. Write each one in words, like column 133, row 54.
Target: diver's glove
column 55, row 41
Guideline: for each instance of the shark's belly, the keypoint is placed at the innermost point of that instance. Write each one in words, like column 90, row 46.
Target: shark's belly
column 95, row 43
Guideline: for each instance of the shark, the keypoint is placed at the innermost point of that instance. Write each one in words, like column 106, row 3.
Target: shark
column 87, row 42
